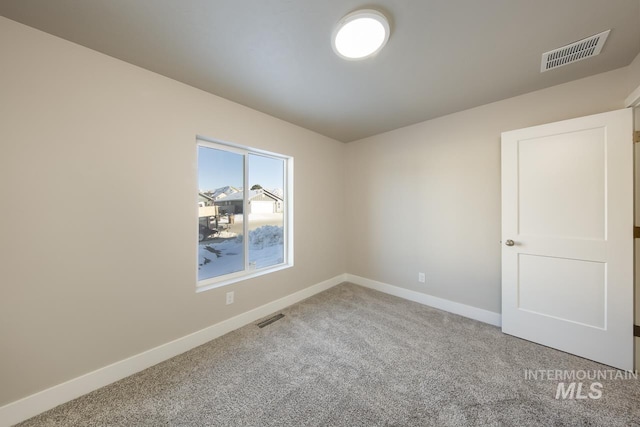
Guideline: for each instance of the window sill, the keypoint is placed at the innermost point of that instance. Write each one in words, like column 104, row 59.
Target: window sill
column 212, row 284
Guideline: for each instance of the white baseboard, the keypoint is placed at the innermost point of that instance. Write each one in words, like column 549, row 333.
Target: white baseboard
column 37, row 403
column 440, row 303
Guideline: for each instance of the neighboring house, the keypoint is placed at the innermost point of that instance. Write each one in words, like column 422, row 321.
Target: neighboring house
column 204, row 200
column 222, row 192
column 206, row 208
column 260, row 201
column 207, row 198
column 279, row 201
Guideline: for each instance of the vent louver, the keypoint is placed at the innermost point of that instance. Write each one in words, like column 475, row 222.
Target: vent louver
column 270, row 320
column 574, row 52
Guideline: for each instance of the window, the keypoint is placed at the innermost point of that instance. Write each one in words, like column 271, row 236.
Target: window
column 245, row 213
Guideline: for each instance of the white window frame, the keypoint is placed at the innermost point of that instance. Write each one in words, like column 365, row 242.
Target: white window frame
column 248, row 272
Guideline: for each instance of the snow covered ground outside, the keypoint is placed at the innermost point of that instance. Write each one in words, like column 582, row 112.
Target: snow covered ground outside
column 266, row 248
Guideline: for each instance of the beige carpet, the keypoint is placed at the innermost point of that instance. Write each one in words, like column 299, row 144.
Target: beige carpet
column 354, row 357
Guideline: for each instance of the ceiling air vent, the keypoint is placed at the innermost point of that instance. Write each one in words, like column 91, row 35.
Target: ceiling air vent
column 574, row 52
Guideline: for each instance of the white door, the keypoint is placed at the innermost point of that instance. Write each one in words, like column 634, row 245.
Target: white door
column 567, row 236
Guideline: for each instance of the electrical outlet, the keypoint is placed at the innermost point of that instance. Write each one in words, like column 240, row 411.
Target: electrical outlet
column 421, row 278
column 229, row 298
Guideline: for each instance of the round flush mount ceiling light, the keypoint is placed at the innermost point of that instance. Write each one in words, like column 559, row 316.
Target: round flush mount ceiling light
column 360, row 34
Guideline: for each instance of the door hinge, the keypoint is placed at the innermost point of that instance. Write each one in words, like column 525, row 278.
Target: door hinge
column 636, row 232
column 636, row 136
column 636, row 331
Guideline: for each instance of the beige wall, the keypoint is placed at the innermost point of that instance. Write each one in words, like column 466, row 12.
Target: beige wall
column 426, row 198
column 634, row 74
column 98, row 216
column 98, row 179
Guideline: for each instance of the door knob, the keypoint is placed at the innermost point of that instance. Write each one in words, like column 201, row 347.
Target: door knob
column 509, row 243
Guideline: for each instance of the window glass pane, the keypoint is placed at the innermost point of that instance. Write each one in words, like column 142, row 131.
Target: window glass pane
column 220, row 209
column 266, row 211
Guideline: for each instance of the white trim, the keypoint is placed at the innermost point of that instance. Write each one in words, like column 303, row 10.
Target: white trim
column 475, row 313
column 246, row 192
column 288, row 208
column 37, row 403
column 633, row 100
column 235, row 277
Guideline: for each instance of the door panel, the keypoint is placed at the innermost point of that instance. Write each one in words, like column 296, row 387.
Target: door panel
column 546, row 284
column 577, row 207
column 567, row 203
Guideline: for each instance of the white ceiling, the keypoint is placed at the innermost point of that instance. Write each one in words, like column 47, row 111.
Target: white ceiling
column 275, row 55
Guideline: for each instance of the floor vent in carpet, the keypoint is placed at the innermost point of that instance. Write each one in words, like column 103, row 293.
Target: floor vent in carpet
column 270, row 320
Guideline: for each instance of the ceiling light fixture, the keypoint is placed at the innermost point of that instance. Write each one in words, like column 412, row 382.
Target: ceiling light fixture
column 360, row 34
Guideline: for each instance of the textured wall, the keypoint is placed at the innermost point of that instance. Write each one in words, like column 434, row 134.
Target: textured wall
column 98, row 187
